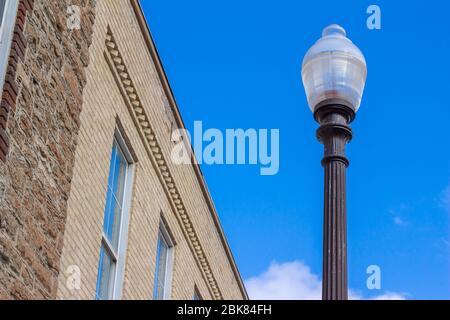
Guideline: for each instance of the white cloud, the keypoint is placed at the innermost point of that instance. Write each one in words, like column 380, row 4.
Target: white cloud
column 295, row 281
column 398, row 221
column 389, row 296
column 399, row 212
column 287, row 281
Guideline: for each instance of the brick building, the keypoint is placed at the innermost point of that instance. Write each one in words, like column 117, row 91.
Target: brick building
column 90, row 204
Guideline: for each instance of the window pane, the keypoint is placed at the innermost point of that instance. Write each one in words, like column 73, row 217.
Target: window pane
column 112, row 222
column 158, row 256
column 162, row 255
column 117, row 215
column 121, row 166
column 105, row 272
column 112, row 164
column 114, row 199
column 196, row 296
column 2, row 10
column 118, row 195
column 162, row 265
column 109, row 209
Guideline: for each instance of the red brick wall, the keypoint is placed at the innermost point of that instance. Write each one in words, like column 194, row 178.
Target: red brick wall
column 39, row 123
column 9, row 94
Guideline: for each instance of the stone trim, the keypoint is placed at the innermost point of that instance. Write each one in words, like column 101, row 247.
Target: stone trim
column 148, row 135
column 10, row 87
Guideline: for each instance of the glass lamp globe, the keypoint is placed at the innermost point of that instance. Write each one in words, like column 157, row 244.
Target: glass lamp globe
column 334, row 68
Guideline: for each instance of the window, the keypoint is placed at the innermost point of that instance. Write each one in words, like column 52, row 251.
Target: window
column 115, row 224
column 163, row 272
column 8, row 11
column 2, row 10
column 197, row 295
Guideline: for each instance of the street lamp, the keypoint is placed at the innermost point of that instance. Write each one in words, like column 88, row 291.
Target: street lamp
column 334, row 73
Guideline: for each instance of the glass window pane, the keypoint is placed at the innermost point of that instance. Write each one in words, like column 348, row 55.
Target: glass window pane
column 112, row 220
column 115, row 227
column 109, row 214
column 115, row 195
column 112, row 165
column 162, row 265
column 196, row 296
column 118, row 192
column 2, row 10
column 162, row 255
column 121, row 167
column 105, row 272
column 155, row 289
column 109, row 209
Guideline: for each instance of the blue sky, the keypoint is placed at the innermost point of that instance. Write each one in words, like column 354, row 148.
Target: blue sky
column 236, row 64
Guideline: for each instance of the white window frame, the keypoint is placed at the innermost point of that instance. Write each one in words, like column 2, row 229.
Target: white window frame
column 164, row 233
column 6, row 32
column 119, row 257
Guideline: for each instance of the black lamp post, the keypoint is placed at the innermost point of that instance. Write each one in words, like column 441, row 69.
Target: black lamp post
column 334, row 74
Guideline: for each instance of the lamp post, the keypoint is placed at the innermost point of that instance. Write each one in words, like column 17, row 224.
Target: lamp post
column 334, row 74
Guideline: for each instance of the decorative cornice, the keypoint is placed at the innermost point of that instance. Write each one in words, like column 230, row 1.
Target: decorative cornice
column 148, row 135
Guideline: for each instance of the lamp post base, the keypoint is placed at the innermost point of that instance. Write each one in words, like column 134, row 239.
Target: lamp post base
column 334, row 117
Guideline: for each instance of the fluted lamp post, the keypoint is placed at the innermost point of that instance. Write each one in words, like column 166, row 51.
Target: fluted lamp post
column 334, row 74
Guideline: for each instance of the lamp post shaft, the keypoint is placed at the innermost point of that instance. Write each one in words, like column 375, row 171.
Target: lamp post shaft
column 334, row 73
column 334, row 117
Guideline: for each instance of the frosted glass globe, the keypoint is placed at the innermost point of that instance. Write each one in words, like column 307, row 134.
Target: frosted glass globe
column 334, row 68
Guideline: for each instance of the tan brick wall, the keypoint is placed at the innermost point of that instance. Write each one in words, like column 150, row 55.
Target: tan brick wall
column 40, row 105
column 103, row 104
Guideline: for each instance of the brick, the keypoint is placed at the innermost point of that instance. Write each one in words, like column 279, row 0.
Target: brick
column 4, row 142
column 36, row 217
column 19, row 49
column 28, row 4
column 13, row 60
column 9, row 93
column 20, row 291
column 4, row 112
column 19, row 38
